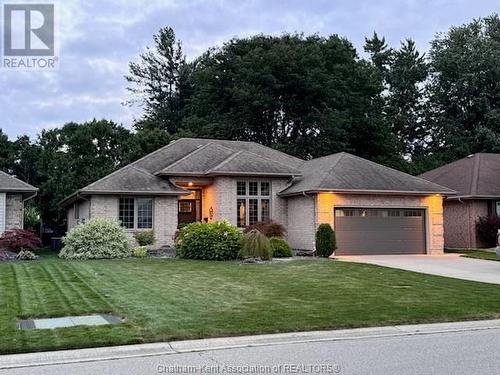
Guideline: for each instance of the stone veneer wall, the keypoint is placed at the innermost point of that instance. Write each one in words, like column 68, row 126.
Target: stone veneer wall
column 14, row 211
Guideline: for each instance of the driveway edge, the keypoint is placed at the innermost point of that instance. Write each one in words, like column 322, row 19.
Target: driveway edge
column 60, row 357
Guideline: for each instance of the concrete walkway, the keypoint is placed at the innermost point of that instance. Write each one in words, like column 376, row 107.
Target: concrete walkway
column 30, row 361
column 449, row 265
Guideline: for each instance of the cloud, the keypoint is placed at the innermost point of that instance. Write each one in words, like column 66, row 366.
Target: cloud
column 98, row 39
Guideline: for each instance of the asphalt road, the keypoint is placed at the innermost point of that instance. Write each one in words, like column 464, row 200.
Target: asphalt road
column 471, row 352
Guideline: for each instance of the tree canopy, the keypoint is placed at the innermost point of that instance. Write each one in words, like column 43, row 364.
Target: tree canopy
column 306, row 95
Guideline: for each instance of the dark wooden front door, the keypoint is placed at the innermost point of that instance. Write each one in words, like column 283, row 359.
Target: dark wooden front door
column 187, row 211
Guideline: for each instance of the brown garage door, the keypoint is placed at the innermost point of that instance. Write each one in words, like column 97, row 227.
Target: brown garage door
column 365, row 231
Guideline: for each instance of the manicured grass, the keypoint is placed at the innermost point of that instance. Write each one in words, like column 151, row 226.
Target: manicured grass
column 165, row 299
column 477, row 254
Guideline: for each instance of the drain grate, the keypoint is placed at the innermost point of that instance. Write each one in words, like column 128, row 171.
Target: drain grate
column 70, row 321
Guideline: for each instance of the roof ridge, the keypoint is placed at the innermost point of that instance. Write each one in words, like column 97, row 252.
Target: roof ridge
column 475, row 174
column 226, row 160
column 198, row 149
column 18, row 180
column 104, row 178
column 261, row 157
column 323, row 177
column 395, row 170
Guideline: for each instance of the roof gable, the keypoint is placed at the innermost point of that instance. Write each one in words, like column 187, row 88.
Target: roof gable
column 476, row 175
column 349, row 173
column 10, row 183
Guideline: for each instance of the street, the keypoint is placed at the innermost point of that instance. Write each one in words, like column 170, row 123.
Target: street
column 470, row 352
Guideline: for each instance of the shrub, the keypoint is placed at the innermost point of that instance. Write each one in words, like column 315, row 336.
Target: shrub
column 26, row 255
column 486, row 228
column 280, row 248
column 96, row 239
column 267, row 228
column 31, row 217
column 325, row 240
column 140, row 252
column 255, row 245
column 145, row 237
column 209, row 241
column 18, row 239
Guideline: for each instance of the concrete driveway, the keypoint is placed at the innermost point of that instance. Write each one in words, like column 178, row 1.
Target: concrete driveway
column 449, row 265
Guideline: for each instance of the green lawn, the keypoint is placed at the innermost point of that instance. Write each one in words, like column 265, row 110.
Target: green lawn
column 476, row 253
column 165, row 299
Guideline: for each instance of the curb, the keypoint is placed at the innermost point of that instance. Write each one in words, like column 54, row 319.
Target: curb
column 61, row 357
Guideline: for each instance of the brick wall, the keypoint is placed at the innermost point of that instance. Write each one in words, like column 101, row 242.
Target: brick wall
column 14, row 211
column 165, row 220
column 433, row 205
column 301, row 222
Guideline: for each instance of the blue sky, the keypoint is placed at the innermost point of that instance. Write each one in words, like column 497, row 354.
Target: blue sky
column 97, row 39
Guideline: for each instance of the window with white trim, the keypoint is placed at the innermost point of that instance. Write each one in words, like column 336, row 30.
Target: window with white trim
column 253, row 203
column 497, row 208
column 136, row 213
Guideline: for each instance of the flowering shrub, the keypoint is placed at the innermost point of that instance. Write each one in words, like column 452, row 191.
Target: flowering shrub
column 209, row 241
column 18, row 239
column 96, row 239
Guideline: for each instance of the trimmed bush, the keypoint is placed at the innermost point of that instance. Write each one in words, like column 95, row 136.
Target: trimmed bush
column 267, row 228
column 487, row 227
column 325, row 240
column 26, row 255
column 208, row 241
column 255, row 245
column 140, row 252
column 280, row 248
column 145, row 237
column 19, row 239
column 96, row 239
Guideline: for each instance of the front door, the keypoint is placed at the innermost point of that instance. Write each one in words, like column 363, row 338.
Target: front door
column 187, row 211
column 189, row 207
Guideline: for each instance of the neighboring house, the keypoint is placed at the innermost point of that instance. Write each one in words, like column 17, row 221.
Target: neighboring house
column 13, row 194
column 373, row 209
column 476, row 179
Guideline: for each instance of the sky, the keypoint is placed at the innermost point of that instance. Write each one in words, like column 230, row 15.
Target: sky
column 98, row 38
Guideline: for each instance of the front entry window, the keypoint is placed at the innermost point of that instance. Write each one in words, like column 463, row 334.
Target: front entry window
column 189, row 207
column 498, row 208
column 253, row 203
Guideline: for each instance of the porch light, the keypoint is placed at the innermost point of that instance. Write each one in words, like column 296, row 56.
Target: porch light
column 190, row 184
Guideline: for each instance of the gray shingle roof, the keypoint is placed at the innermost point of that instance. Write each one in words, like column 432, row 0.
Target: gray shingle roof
column 344, row 172
column 10, row 183
column 476, row 176
column 192, row 156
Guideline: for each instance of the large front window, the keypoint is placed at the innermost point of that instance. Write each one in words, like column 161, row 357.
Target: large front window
column 253, row 203
column 136, row 213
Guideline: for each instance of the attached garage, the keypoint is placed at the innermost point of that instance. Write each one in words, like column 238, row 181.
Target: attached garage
column 374, row 231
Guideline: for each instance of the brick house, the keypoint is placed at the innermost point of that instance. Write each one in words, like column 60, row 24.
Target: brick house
column 373, row 209
column 13, row 194
column 476, row 179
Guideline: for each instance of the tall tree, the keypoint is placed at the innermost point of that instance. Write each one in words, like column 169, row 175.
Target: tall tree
column 5, row 151
column 156, row 80
column 75, row 155
column 464, row 93
column 309, row 96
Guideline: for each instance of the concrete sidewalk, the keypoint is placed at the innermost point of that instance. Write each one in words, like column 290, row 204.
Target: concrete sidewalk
column 175, row 347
